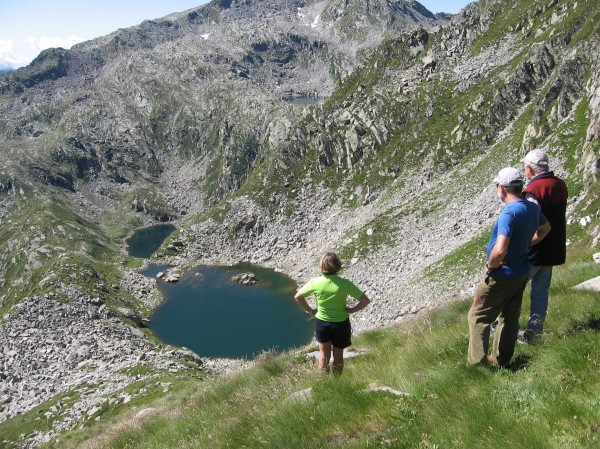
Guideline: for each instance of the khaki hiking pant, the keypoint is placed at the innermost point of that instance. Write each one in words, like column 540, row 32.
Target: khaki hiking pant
column 499, row 299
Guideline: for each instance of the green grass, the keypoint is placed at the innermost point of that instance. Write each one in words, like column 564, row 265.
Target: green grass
column 53, row 232
column 576, row 24
column 360, row 243
column 549, row 397
column 464, row 259
column 38, row 419
column 49, row 242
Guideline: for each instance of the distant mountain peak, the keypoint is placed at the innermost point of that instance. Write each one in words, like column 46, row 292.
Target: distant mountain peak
column 352, row 17
column 381, row 8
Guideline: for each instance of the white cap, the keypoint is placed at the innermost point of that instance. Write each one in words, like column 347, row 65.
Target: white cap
column 538, row 157
column 509, row 177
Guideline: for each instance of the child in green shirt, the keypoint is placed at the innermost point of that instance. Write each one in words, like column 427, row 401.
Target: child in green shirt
column 332, row 322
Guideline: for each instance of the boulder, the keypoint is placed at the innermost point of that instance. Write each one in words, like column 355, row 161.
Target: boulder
column 591, row 284
column 129, row 314
column 245, row 279
column 172, row 276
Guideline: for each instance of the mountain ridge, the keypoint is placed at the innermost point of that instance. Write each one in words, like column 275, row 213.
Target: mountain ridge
column 264, row 65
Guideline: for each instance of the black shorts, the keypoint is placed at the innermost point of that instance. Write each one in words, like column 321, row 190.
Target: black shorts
column 336, row 333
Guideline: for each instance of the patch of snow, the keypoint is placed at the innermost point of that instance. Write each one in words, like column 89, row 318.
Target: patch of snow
column 315, row 22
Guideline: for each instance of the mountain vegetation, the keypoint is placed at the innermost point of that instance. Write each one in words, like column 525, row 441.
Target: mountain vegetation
column 409, row 388
column 269, row 131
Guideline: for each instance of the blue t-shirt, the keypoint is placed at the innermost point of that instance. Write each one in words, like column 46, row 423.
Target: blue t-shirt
column 518, row 220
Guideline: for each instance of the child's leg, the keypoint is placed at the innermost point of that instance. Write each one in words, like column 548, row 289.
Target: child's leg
column 338, row 361
column 324, row 356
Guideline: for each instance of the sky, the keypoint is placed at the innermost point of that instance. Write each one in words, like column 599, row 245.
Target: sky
column 29, row 26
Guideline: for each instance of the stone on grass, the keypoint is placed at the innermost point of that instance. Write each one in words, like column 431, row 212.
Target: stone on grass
column 301, row 396
column 591, row 284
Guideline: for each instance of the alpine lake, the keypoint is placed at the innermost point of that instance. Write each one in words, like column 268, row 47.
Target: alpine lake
column 210, row 314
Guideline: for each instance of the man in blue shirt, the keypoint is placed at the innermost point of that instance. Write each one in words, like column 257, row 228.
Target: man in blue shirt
column 499, row 294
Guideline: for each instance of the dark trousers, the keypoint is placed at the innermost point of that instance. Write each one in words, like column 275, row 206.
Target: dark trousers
column 499, row 299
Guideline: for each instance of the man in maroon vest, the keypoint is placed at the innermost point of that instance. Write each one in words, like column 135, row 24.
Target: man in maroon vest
column 550, row 193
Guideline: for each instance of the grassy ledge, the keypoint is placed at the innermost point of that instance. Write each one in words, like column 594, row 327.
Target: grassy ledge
column 549, row 398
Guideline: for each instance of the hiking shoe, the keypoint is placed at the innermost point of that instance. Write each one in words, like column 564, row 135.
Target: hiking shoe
column 523, row 337
column 492, row 362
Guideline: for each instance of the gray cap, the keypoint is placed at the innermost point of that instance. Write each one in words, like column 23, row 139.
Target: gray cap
column 509, row 177
column 538, row 157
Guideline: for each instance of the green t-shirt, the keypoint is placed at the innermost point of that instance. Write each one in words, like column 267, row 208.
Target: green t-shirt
column 331, row 292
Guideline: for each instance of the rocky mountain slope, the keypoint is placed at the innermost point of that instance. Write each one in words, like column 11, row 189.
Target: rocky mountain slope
column 372, row 128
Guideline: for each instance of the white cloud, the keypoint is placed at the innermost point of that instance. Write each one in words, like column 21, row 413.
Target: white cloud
column 6, row 45
column 13, row 55
column 40, row 43
column 8, row 59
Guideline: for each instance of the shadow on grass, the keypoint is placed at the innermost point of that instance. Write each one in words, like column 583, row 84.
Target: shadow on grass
column 519, row 363
column 591, row 322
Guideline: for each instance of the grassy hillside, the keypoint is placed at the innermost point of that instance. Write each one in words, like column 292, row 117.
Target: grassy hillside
column 50, row 244
column 548, row 398
column 391, row 124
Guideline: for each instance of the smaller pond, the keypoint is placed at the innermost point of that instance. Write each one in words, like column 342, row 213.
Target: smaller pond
column 305, row 101
column 144, row 242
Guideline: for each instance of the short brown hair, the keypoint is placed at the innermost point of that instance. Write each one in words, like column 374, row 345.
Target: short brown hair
column 514, row 190
column 330, row 263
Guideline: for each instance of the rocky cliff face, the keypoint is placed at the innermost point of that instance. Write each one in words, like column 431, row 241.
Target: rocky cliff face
column 372, row 128
column 206, row 84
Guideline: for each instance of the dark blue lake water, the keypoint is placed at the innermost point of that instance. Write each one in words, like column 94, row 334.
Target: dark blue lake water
column 144, row 242
column 214, row 317
column 306, row 101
